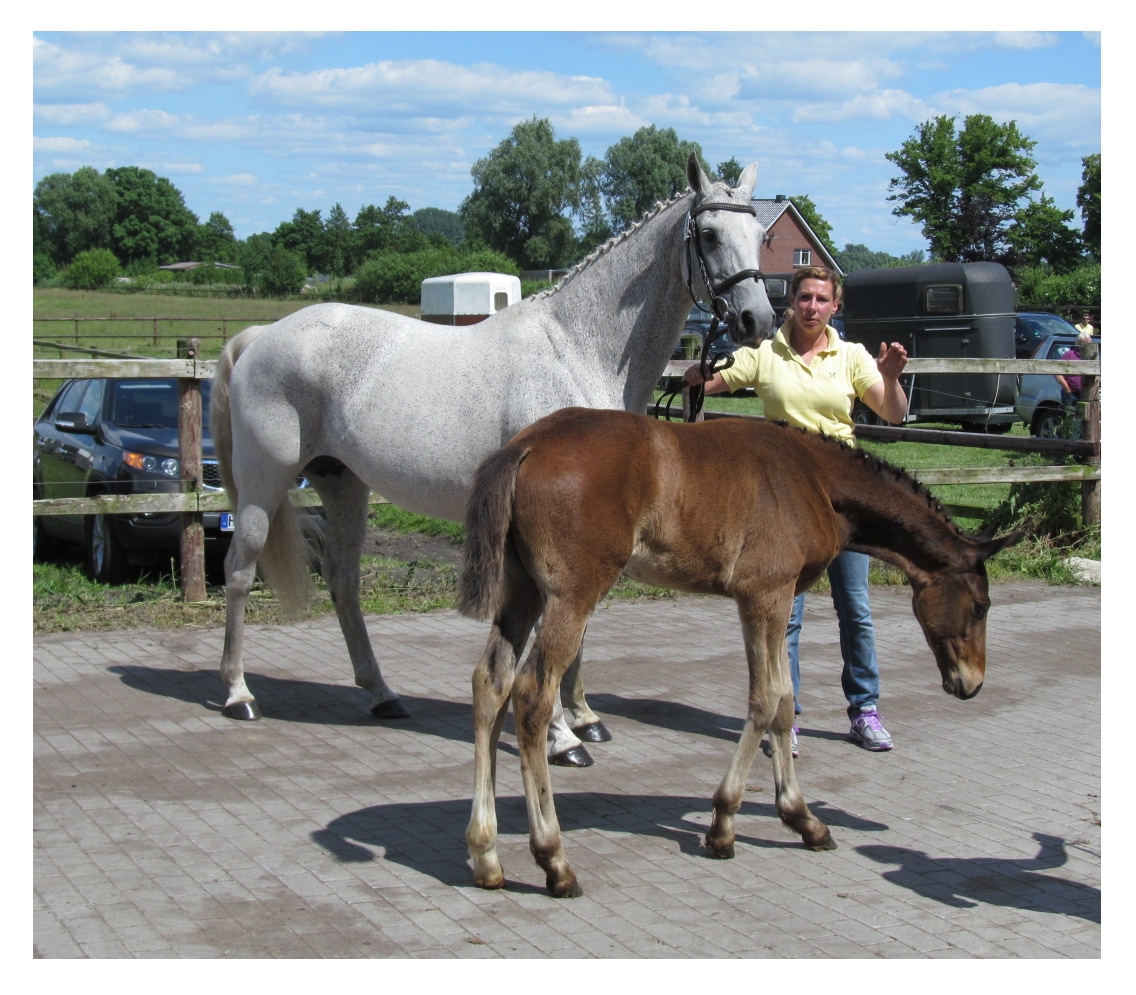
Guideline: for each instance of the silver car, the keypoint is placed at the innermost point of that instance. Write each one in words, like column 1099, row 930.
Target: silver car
column 1039, row 394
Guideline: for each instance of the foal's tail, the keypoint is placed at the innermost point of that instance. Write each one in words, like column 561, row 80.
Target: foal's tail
column 282, row 561
column 489, row 513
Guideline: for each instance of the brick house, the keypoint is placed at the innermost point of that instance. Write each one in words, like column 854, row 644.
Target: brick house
column 790, row 244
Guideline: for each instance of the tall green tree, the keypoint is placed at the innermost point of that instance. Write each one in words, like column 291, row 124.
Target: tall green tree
column 524, row 192
column 1089, row 201
column 436, row 221
column 856, row 256
column 73, row 212
column 303, row 236
column 1041, row 235
column 648, row 167
column 821, row 228
column 339, row 240
column 964, row 187
column 216, row 241
column 595, row 226
column 151, row 221
column 730, row 171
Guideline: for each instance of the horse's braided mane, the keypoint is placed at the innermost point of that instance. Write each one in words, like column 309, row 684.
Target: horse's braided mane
column 612, row 242
column 882, row 468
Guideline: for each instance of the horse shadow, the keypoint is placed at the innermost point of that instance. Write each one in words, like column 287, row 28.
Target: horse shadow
column 965, row 883
column 678, row 716
column 429, row 837
column 286, row 699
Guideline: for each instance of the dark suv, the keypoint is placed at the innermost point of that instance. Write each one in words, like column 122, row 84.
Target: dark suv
column 118, row 436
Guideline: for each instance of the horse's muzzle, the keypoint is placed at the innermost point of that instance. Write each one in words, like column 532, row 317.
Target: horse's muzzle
column 954, row 686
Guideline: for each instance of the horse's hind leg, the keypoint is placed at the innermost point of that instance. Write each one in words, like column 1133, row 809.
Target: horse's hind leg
column 583, row 721
column 492, row 684
column 344, row 498
column 249, row 537
column 770, row 706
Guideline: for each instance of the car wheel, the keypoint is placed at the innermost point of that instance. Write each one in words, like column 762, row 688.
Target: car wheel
column 43, row 545
column 863, row 415
column 1047, row 424
column 105, row 559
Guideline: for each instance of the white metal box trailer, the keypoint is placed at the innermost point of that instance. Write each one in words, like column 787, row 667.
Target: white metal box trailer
column 467, row 298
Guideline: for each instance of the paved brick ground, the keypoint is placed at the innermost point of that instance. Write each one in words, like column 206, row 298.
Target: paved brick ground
column 164, row 830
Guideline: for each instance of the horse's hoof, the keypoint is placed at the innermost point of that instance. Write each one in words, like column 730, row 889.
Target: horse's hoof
column 721, row 852
column 393, row 708
column 575, row 757
column 241, row 710
column 828, row 843
column 593, row 732
column 569, row 889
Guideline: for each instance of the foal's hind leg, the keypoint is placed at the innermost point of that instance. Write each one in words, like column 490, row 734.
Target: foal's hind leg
column 770, row 706
column 492, row 684
column 344, row 498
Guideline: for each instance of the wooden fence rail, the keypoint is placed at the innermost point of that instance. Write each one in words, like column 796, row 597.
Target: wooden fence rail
column 193, row 500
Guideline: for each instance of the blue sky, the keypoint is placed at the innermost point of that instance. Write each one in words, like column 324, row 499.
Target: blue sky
column 256, row 125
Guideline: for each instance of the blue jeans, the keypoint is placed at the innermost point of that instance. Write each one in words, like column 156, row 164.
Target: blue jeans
column 860, row 679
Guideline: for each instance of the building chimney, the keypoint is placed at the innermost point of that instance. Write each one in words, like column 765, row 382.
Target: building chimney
column 779, row 198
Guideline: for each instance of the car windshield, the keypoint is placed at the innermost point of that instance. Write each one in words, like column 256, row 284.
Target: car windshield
column 1048, row 324
column 151, row 403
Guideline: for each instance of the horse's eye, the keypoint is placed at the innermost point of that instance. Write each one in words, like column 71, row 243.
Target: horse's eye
column 710, row 236
column 979, row 610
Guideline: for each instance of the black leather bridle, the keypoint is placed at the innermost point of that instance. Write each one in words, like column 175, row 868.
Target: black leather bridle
column 719, row 307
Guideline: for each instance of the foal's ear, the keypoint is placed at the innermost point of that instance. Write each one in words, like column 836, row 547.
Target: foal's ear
column 748, row 180
column 986, row 548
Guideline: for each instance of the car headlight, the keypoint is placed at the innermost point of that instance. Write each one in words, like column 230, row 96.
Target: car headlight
column 165, row 466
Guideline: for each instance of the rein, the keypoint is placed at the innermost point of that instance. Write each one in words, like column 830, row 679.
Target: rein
column 719, row 307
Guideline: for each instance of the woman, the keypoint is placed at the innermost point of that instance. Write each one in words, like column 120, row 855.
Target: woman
column 809, row 377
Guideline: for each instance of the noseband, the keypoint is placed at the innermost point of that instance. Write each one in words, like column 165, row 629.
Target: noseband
column 719, row 306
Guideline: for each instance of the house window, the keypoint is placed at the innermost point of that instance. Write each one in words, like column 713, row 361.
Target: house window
column 802, row 257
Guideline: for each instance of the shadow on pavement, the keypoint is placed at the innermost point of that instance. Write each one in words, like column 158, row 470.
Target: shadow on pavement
column 964, row 883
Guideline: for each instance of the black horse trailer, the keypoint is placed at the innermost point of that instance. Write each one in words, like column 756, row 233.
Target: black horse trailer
column 940, row 311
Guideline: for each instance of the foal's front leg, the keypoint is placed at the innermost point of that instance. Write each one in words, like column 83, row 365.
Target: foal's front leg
column 770, row 706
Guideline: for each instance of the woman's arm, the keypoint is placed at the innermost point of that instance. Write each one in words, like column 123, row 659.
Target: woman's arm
column 887, row 399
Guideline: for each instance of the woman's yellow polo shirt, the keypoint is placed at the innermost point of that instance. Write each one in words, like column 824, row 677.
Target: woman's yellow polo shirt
column 816, row 396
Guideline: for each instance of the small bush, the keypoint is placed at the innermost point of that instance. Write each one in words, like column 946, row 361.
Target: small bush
column 92, row 270
column 284, row 273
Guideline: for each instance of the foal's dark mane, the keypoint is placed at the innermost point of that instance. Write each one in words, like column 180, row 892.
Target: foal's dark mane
column 884, row 470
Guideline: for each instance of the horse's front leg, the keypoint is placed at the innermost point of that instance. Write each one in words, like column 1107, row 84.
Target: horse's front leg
column 583, row 721
column 345, row 498
column 534, row 691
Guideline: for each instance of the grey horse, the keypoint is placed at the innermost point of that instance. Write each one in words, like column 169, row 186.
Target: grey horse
column 359, row 400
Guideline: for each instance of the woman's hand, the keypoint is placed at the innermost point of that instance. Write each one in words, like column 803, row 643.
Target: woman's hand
column 891, row 360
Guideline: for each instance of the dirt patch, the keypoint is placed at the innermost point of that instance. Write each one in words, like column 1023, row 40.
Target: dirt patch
column 411, row 547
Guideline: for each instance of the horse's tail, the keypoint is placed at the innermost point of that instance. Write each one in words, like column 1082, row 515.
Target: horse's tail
column 220, row 417
column 489, row 513
column 282, row 561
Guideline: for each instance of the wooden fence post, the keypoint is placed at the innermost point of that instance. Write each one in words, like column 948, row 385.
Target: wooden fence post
column 189, row 456
column 1091, row 432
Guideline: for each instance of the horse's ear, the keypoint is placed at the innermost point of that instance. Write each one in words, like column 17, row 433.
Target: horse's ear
column 696, row 176
column 988, row 547
column 748, row 180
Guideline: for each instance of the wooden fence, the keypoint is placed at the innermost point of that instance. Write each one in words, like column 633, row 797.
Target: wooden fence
column 194, row 500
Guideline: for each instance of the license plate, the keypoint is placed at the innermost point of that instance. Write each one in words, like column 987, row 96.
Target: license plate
column 227, row 521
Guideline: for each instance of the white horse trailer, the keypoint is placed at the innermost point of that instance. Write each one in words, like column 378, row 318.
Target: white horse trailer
column 467, row 298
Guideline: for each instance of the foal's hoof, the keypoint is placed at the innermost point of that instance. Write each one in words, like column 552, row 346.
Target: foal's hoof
column 825, row 843
column 575, row 757
column 241, row 710
column 593, row 732
column 722, row 852
column 390, row 709
column 566, row 889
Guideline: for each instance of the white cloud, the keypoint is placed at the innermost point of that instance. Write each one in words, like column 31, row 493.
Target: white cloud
column 83, row 71
column 1058, row 112
column 142, row 120
column 67, row 114
column 240, row 180
column 60, row 144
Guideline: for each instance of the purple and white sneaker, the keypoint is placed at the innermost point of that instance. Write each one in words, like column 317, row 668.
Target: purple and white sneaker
column 869, row 731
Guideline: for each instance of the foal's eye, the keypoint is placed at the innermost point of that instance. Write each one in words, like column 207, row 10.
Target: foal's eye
column 979, row 610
